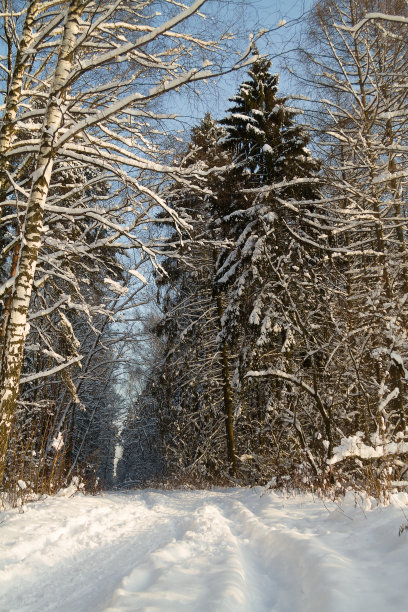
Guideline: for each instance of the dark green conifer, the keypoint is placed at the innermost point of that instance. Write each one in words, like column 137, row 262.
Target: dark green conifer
column 270, row 274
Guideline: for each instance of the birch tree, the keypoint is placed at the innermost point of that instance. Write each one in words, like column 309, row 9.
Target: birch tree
column 81, row 88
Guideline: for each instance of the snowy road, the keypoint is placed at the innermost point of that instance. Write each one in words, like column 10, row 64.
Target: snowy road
column 234, row 550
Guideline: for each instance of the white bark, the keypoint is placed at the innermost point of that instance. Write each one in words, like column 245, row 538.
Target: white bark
column 14, row 95
column 17, row 328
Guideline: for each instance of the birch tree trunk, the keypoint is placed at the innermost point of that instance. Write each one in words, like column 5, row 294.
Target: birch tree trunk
column 15, row 86
column 17, row 327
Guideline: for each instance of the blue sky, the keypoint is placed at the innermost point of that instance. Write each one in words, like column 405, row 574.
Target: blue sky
column 243, row 17
column 247, row 16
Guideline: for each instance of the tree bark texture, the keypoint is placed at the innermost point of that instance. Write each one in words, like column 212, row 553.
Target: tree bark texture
column 17, row 328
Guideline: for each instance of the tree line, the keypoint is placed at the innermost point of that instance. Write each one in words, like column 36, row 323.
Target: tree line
column 253, row 281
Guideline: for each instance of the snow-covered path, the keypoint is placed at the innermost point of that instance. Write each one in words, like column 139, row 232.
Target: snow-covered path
column 203, row 551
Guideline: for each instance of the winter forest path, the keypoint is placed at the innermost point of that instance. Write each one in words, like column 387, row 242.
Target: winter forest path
column 230, row 550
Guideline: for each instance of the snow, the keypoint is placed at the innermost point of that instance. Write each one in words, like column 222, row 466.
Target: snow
column 392, row 395
column 230, row 550
column 374, row 16
column 58, row 442
column 51, row 371
column 138, row 275
column 353, row 446
column 115, row 287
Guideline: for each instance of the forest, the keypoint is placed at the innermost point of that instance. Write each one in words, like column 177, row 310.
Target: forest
column 216, row 303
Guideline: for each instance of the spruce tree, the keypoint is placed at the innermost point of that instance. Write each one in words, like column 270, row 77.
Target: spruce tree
column 276, row 174
column 267, row 143
column 270, row 274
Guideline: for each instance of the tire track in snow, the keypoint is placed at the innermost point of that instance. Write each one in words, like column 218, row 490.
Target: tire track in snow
column 321, row 557
column 200, row 570
column 284, row 566
column 225, row 558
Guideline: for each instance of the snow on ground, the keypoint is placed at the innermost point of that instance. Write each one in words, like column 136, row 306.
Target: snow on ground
column 231, row 550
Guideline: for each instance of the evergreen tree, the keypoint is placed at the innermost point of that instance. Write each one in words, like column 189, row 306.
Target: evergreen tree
column 270, row 150
column 271, row 276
